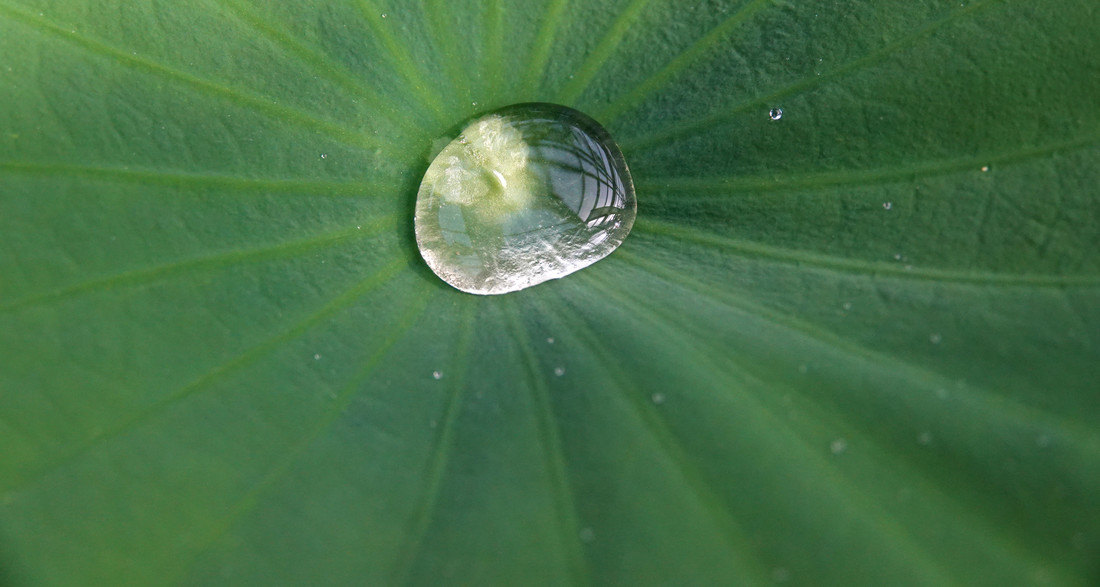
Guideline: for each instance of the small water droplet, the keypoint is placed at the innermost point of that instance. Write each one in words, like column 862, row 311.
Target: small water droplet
column 838, row 446
column 525, row 194
column 985, row 168
column 437, row 374
column 658, row 398
column 383, row 15
column 847, row 306
column 587, row 534
column 559, row 371
column 941, row 393
column 550, row 340
column 324, row 156
column 935, row 338
column 925, row 438
column 317, row 357
column 897, row 256
column 887, row 205
column 775, row 113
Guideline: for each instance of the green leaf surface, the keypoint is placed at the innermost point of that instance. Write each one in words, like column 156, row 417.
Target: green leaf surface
column 858, row 345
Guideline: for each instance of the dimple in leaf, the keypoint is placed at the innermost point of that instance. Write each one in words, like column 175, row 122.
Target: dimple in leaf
column 525, row 194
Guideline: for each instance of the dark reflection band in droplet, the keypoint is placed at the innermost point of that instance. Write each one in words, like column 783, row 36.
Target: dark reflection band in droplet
column 525, row 194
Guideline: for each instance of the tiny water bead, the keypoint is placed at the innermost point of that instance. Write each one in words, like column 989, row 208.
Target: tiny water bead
column 775, row 113
column 525, row 194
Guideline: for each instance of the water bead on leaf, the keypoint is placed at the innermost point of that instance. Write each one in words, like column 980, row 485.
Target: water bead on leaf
column 527, row 193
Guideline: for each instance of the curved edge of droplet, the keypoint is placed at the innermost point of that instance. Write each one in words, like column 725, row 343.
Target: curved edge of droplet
column 589, row 125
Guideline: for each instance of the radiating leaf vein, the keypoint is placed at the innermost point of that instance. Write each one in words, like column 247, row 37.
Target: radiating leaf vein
column 737, row 538
column 665, row 76
column 550, row 440
column 214, row 262
column 675, row 132
column 330, row 68
column 855, row 266
column 441, row 448
column 283, row 467
column 603, row 51
column 263, row 105
column 1021, row 415
column 843, row 488
column 404, row 63
column 540, row 53
column 172, row 178
column 382, row 276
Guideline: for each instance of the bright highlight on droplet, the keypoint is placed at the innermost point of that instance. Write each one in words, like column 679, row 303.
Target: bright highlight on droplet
column 775, row 113
column 525, row 194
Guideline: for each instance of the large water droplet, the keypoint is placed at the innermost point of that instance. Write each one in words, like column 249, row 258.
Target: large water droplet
column 527, row 193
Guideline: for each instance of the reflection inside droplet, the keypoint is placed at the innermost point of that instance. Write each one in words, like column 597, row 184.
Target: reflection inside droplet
column 525, row 194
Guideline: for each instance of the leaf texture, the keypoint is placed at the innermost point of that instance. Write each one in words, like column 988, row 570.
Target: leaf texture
column 856, row 345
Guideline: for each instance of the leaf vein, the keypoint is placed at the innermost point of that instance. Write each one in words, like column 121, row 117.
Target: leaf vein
column 214, row 262
column 603, row 51
column 283, row 467
column 552, row 449
column 820, row 261
column 381, row 277
column 674, row 131
column 266, row 106
column 665, row 76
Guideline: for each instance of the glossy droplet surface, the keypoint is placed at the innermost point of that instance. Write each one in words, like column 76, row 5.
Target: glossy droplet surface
column 527, row 193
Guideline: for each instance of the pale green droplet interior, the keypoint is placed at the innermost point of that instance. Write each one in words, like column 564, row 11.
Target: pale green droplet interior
column 525, row 194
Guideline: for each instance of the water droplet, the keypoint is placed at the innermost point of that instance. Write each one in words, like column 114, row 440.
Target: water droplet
column 838, row 446
column 658, row 398
column 941, row 393
column 985, row 168
column 887, row 205
column 587, row 534
column 437, row 374
column 317, row 357
column 324, row 156
column 559, row 371
column 925, row 438
column 847, row 306
column 935, row 338
column 550, row 340
column 775, row 113
column 527, row 193
column 383, row 15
